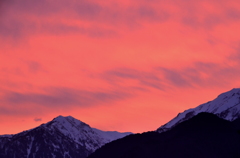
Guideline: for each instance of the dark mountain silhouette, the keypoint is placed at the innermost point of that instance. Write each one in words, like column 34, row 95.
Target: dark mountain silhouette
column 203, row 136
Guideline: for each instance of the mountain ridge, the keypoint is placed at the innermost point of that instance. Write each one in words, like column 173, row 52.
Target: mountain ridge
column 226, row 106
column 61, row 137
column 204, row 135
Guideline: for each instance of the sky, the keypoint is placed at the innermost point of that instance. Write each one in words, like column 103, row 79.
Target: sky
column 117, row 65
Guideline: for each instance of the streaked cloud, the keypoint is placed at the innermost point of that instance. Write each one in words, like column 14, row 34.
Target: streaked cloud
column 141, row 59
column 63, row 98
column 38, row 119
column 143, row 78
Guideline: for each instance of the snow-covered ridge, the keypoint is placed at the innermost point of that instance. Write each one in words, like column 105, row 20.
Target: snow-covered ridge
column 62, row 137
column 226, row 106
column 111, row 135
column 82, row 133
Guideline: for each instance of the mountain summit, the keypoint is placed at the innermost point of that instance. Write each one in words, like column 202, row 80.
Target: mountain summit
column 82, row 133
column 63, row 137
column 226, row 106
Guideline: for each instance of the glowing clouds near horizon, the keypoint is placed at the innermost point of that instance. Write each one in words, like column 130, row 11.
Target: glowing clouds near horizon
column 117, row 65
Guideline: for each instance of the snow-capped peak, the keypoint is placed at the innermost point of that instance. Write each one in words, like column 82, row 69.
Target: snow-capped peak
column 82, row 133
column 61, row 137
column 68, row 123
column 226, row 106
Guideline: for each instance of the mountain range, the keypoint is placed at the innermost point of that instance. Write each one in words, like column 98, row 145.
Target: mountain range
column 209, row 130
column 203, row 136
column 63, row 137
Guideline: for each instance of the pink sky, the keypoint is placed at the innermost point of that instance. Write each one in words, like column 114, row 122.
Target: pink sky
column 129, row 65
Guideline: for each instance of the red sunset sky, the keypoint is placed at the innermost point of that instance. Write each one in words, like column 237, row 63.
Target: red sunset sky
column 125, row 65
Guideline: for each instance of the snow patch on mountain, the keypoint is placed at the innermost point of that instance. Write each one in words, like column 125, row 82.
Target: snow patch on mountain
column 226, row 106
column 82, row 133
column 111, row 135
column 62, row 137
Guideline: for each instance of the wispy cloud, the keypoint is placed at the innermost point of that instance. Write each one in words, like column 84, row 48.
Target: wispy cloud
column 38, row 119
column 106, row 52
column 60, row 97
column 198, row 74
column 176, row 78
column 201, row 74
column 25, row 23
column 34, row 67
column 143, row 78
